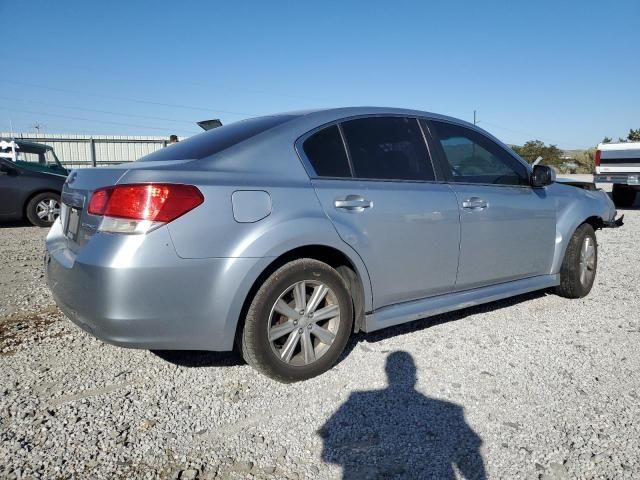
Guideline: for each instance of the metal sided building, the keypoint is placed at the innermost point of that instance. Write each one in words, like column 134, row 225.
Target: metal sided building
column 79, row 151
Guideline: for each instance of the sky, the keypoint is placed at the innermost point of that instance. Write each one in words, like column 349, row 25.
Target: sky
column 564, row 72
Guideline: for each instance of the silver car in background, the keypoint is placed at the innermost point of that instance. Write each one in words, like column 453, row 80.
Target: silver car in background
column 282, row 235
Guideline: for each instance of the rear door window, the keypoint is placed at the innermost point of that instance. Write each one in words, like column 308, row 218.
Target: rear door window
column 388, row 148
column 326, row 153
column 474, row 158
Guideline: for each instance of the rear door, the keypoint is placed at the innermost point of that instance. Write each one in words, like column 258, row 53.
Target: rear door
column 508, row 228
column 375, row 181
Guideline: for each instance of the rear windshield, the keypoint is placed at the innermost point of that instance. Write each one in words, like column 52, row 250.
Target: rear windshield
column 213, row 141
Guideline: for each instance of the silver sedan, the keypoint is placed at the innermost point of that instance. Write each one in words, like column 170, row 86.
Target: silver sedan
column 283, row 235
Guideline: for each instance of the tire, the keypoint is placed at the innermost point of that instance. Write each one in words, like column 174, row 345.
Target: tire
column 623, row 196
column 282, row 357
column 43, row 209
column 578, row 270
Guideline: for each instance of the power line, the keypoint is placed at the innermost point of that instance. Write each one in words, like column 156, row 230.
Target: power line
column 27, row 128
column 89, row 120
column 126, row 99
column 208, row 84
column 101, row 111
column 148, row 102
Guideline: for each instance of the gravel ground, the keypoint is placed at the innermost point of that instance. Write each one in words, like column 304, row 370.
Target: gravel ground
column 533, row 387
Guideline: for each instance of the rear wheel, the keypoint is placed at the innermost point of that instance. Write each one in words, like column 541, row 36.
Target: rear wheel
column 623, row 195
column 299, row 321
column 578, row 270
column 43, row 209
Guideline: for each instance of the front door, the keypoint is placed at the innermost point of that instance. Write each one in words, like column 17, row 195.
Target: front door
column 382, row 197
column 507, row 227
column 11, row 195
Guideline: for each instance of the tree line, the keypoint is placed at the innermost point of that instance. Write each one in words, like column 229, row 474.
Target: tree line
column 584, row 160
column 633, row 136
column 533, row 149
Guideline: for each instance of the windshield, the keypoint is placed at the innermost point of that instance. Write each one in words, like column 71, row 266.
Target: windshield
column 214, row 141
column 51, row 160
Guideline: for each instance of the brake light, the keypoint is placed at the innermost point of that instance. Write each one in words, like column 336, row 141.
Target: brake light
column 138, row 208
column 597, row 159
column 99, row 200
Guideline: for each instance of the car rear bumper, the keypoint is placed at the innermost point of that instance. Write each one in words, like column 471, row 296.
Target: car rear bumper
column 632, row 179
column 134, row 291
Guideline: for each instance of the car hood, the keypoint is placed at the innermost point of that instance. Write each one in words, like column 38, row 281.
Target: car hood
column 584, row 184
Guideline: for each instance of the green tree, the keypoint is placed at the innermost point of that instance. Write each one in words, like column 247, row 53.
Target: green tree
column 586, row 160
column 634, row 135
column 607, row 140
column 551, row 154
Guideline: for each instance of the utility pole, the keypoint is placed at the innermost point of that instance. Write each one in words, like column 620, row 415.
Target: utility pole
column 474, row 117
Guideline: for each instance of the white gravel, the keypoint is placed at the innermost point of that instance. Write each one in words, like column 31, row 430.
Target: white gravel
column 533, row 387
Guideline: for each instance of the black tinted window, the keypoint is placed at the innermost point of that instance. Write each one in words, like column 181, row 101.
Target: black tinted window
column 474, row 158
column 326, row 153
column 387, row 148
column 216, row 140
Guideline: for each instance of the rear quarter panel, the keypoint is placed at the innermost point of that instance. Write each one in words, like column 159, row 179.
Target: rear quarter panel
column 295, row 220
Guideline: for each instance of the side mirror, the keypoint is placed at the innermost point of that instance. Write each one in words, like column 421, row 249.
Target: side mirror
column 542, row 176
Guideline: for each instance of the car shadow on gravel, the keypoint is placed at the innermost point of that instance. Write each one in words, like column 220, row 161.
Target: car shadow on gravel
column 635, row 206
column 435, row 320
column 15, row 224
column 398, row 432
column 197, row 358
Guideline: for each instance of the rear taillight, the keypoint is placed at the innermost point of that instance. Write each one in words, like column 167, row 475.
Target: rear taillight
column 139, row 208
column 597, row 158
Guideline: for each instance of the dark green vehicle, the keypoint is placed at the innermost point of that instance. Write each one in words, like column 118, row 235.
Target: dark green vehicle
column 31, row 179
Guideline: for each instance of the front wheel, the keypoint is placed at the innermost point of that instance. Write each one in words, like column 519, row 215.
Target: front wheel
column 299, row 322
column 43, row 209
column 578, row 270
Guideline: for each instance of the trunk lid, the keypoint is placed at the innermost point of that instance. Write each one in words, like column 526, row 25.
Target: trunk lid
column 78, row 226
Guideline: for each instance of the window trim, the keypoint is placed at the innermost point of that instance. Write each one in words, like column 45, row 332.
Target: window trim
column 346, row 151
column 444, row 164
column 298, row 147
column 434, row 151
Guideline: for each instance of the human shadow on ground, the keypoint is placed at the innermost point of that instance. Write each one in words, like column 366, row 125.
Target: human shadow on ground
column 399, row 433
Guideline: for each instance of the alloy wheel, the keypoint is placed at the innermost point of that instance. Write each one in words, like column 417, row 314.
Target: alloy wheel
column 304, row 322
column 48, row 210
column 587, row 260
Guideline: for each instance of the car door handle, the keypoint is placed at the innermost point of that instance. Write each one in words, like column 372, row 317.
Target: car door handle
column 474, row 203
column 355, row 203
